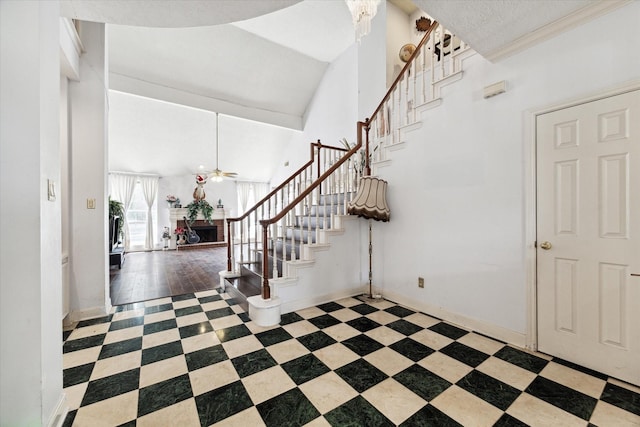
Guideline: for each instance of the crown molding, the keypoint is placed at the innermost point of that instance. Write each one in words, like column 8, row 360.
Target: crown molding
column 573, row 20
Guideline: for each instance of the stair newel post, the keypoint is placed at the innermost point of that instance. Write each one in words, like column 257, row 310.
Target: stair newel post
column 266, row 290
column 275, row 251
column 229, row 245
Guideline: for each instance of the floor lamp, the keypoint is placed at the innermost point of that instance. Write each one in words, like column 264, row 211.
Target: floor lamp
column 370, row 202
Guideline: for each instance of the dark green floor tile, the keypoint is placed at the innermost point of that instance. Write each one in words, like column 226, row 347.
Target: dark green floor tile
column 522, row 359
column 412, row 349
column 219, row 312
column 96, row 321
column 330, row 306
column 364, row 309
column 291, row 408
column 182, row 297
column 111, row 386
column 185, row 311
column 405, row 327
column 430, row 416
column 120, row 347
column 195, row 329
column 305, row 368
column 163, row 394
column 77, row 375
column 65, row 335
column 399, row 311
column 129, row 307
column 126, row 323
column 288, row 318
column 249, row 364
column 363, row 324
column 324, row 321
column 83, row 343
column 422, row 382
column 361, row 375
column 216, row 405
column 362, row 345
column 158, row 308
column 205, row 357
column 233, row 332
column 273, row 336
column 489, row 389
column 316, row 341
column 622, row 398
column 563, row 397
column 210, row 298
column 161, row 352
column 163, row 325
column 357, row 413
column 71, row 416
column 448, row 330
column 464, row 354
column 507, row 420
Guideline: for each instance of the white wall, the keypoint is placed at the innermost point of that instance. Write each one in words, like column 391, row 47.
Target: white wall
column 30, row 254
column 89, row 293
column 457, row 192
column 331, row 115
column 398, row 34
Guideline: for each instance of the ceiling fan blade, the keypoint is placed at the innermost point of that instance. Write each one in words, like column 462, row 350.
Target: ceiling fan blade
column 229, row 174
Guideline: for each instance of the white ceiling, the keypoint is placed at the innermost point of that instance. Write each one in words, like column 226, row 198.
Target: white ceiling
column 257, row 59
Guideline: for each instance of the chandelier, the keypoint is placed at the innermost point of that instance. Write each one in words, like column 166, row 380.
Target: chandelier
column 362, row 12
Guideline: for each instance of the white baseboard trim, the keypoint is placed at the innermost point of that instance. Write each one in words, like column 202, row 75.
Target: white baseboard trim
column 489, row 329
column 89, row 313
column 303, row 303
column 60, row 413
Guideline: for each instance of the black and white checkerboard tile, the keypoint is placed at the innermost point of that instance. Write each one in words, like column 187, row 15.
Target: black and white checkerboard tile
column 198, row 360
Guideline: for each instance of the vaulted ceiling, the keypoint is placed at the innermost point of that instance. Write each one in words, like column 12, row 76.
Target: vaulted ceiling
column 257, row 62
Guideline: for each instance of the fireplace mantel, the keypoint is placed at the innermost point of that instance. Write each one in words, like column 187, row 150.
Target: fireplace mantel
column 177, row 214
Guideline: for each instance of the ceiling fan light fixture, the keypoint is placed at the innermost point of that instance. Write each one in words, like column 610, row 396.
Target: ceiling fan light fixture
column 217, row 175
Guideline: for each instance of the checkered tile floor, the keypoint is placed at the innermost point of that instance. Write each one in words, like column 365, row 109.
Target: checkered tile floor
column 198, row 360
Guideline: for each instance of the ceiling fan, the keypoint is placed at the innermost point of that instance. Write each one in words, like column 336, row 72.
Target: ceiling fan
column 217, row 175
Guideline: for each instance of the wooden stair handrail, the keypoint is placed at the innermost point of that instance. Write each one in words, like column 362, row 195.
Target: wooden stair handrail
column 312, row 146
column 266, row 290
column 415, row 53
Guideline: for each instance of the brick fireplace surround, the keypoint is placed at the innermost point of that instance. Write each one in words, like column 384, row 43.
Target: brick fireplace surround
column 218, row 217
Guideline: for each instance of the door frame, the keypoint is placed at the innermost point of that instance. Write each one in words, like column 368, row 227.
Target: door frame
column 530, row 204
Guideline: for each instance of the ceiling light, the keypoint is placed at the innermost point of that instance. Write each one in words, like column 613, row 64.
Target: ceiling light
column 362, row 12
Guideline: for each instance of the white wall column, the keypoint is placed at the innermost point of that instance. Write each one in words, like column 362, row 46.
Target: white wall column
column 30, row 254
column 89, row 293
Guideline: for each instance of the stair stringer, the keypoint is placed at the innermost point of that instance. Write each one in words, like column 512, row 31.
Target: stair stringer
column 329, row 270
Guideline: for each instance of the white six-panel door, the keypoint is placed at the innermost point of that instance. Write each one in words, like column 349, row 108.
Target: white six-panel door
column 588, row 235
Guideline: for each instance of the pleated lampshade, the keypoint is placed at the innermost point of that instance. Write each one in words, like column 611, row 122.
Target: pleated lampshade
column 371, row 200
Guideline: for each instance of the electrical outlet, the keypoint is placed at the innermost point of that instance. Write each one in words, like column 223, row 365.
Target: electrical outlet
column 421, row 282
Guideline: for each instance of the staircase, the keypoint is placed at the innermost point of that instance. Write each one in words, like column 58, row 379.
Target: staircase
column 272, row 243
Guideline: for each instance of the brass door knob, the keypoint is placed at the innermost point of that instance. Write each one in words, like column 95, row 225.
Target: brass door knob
column 545, row 245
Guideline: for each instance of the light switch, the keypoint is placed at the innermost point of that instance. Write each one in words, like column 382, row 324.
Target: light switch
column 51, row 190
column 91, row 203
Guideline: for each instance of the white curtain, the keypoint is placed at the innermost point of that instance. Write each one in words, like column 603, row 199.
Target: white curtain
column 260, row 189
column 122, row 190
column 150, row 191
column 243, row 189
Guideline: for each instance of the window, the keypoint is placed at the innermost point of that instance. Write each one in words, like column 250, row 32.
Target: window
column 137, row 219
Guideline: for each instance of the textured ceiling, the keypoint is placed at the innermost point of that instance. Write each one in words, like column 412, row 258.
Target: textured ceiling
column 490, row 25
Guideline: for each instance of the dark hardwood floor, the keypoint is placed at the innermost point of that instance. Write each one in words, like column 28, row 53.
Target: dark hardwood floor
column 158, row 274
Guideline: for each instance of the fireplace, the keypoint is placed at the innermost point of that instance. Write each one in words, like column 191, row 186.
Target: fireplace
column 211, row 233
column 208, row 233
